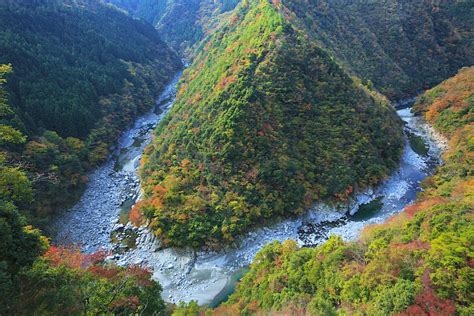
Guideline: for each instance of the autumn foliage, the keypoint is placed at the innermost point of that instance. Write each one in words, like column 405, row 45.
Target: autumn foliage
column 419, row 262
column 265, row 124
column 65, row 280
column 73, row 257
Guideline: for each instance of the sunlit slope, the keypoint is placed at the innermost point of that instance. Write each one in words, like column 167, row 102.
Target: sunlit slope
column 265, row 124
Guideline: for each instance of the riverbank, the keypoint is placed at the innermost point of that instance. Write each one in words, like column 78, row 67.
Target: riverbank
column 185, row 275
column 96, row 221
column 92, row 220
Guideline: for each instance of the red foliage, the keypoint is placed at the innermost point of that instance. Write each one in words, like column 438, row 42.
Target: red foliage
column 411, row 210
column 141, row 275
column 471, row 263
column 225, row 81
column 252, row 174
column 428, row 303
column 413, row 245
column 349, row 190
column 131, row 303
column 234, row 19
column 109, row 273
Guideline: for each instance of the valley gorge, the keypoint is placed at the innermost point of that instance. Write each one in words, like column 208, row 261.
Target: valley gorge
column 293, row 166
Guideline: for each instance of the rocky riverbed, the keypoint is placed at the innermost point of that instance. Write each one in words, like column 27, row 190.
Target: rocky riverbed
column 94, row 222
column 186, row 275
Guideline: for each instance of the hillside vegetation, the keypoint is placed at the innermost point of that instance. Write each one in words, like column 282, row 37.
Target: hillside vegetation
column 265, row 123
column 403, row 47
column 418, row 263
column 80, row 75
column 36, row 279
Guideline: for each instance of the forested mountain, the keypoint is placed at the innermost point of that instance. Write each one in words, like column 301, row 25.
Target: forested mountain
column 285, row 103
column 418, row 263
column 72, row 75
column 403, row 47
column 81, row 73
column 37, row 279
column 181, row 23
column 265, row 123
column 82, row 55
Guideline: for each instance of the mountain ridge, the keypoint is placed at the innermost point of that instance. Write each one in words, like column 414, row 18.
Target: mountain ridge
column 230, row 151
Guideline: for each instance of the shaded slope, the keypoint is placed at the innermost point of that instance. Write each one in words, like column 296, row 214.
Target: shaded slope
column 265, row 123
column 36, row 279
column 81, row 73
column 80, row 55
column 403, row 47
column 181, row 23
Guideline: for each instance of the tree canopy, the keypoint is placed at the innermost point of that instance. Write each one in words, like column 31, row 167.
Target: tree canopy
column 265, row 123
column 417, row 263
column 81, row 73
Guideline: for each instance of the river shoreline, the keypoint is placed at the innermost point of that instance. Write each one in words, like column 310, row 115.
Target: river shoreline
column 205, row 276
column 91, row 221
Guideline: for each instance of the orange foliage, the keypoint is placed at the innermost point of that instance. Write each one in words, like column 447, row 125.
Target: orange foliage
column 186, row 164
column 234, row 19
column 277, row 3
column 226, row 310
column 411, row 210
column 412, row 246
column 135, row 215
column 453, row 94
column 73, row 258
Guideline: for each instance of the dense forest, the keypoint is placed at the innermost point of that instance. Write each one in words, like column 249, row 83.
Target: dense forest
column 284, row 103
column 72, row 75
column 39, row 279
column 265, row 123
column 433, row 39
column 418, row 263
column 403, row 47
column 99, row 69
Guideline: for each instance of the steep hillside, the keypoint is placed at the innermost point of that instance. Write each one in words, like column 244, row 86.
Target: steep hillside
column 401, row 46
column 81, row 56
column 418, row 263
column 36, row 279
column 181, row 23
column 81, row 73
column 265, row 123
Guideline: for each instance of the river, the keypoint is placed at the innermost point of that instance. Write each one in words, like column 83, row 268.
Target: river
column 98, row 220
